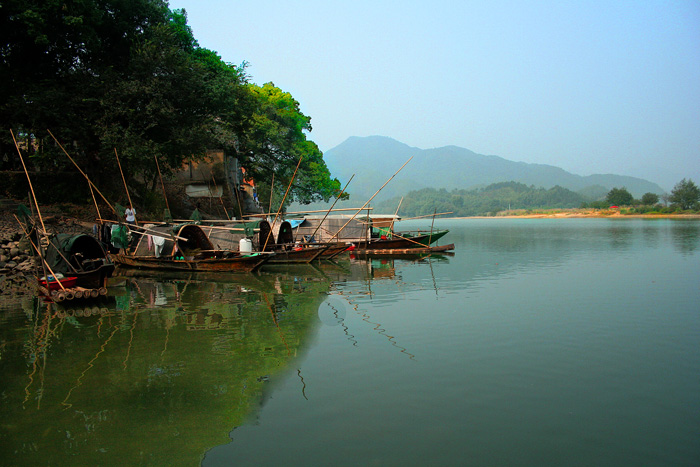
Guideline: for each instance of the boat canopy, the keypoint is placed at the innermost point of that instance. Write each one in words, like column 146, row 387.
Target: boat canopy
column 285, row 235
column 265, row 237
column 196, row 239
column 68, row 253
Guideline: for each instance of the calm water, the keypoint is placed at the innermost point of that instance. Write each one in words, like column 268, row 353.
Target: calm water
column 540, row 342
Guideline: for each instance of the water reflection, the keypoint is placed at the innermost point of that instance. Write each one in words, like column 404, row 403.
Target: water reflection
column 170, row 357
column 166, row 360
column 167, row 369
column 686, row 236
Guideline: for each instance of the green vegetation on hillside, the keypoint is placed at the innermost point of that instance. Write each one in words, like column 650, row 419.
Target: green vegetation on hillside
column 128, row 75
column 514, row 196
column 484, row 201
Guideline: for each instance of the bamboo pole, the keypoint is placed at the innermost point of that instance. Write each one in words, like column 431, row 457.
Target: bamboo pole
column 426, row 215
column 371, row 198
column 95, row 201
column 84, row 175
column 221, row 199
column 391, row 227
column 44, row 264
column 31, row 188
column 272, row 186
column 266, row 214
column 131, row 205
column 332, row 206
column 162, row 184
column 236, row 190
column 154, row 232
column 282, row 203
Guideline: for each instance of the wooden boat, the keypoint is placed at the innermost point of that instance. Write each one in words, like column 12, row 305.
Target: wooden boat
column 187, row 248
column 58, row 282
column 210, row 261
column 334, row 250
column 284, row 247
column 80, row 265
column 79, row 256
column 402, row 240
column 293, row 254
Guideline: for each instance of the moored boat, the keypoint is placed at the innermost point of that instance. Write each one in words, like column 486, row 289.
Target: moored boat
column 402, row 240
column 207, row 261
column 187, row 248
column 79, row 256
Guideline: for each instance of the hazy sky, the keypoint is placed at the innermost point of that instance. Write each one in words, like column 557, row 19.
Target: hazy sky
column 589, row 86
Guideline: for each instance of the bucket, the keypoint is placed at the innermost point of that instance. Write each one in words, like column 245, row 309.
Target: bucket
column 245, row 245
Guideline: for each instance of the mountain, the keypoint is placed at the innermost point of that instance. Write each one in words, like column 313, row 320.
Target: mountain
column 375, row 158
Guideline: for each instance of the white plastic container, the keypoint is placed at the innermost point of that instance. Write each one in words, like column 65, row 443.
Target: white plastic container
column 245, row 245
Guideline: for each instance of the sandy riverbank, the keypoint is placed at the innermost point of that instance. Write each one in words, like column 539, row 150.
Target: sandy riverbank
column 583, row 214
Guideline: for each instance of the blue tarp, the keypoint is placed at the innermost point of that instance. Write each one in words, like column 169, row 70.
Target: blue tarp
column 295, row 222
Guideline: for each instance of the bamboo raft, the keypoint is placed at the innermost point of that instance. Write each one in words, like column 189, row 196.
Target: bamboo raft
column 406, row 251
column 73, row 293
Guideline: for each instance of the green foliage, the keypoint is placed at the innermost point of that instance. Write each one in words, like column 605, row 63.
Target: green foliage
column 128, row 75
column 275, row 142
column 601, row 204
column 649, row 199
column 483, row 202
column 619, row 197
column 685, row 195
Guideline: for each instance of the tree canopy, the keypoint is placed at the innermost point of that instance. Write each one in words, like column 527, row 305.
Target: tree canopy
column 619, row 197
column 128, row 75
column 685, row 194
column 650, row 198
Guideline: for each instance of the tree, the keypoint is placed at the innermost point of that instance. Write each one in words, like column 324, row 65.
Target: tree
column 619, row 197
column 274, row 142
column 649, row 199
column 685, row 194
column 129, row 75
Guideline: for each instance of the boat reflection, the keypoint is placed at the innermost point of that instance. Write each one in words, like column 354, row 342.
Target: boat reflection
column 166, row 358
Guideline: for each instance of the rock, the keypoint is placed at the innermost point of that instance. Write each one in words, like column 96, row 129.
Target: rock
column 11, row 265
column 25, row 266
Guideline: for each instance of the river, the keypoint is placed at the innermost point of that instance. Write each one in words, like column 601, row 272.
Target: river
column 538, row 342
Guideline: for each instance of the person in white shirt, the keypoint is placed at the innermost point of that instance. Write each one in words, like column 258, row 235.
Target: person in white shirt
column 130, row 215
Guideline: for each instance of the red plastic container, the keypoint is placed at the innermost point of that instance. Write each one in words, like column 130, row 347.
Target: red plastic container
column 67, row 282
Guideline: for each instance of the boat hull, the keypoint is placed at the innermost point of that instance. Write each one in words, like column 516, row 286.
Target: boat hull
column 402, row 242
column 305, row 255
column 236, row 264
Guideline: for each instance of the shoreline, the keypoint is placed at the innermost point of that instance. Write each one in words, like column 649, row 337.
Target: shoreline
column 17, row 265
column 582, row 214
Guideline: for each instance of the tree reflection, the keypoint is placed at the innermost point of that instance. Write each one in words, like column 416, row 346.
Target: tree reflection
column 685, row 236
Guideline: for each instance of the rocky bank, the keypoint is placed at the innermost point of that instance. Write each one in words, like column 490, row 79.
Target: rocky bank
column 18, row 269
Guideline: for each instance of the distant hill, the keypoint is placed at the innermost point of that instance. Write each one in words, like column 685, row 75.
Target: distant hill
column 375, row 158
